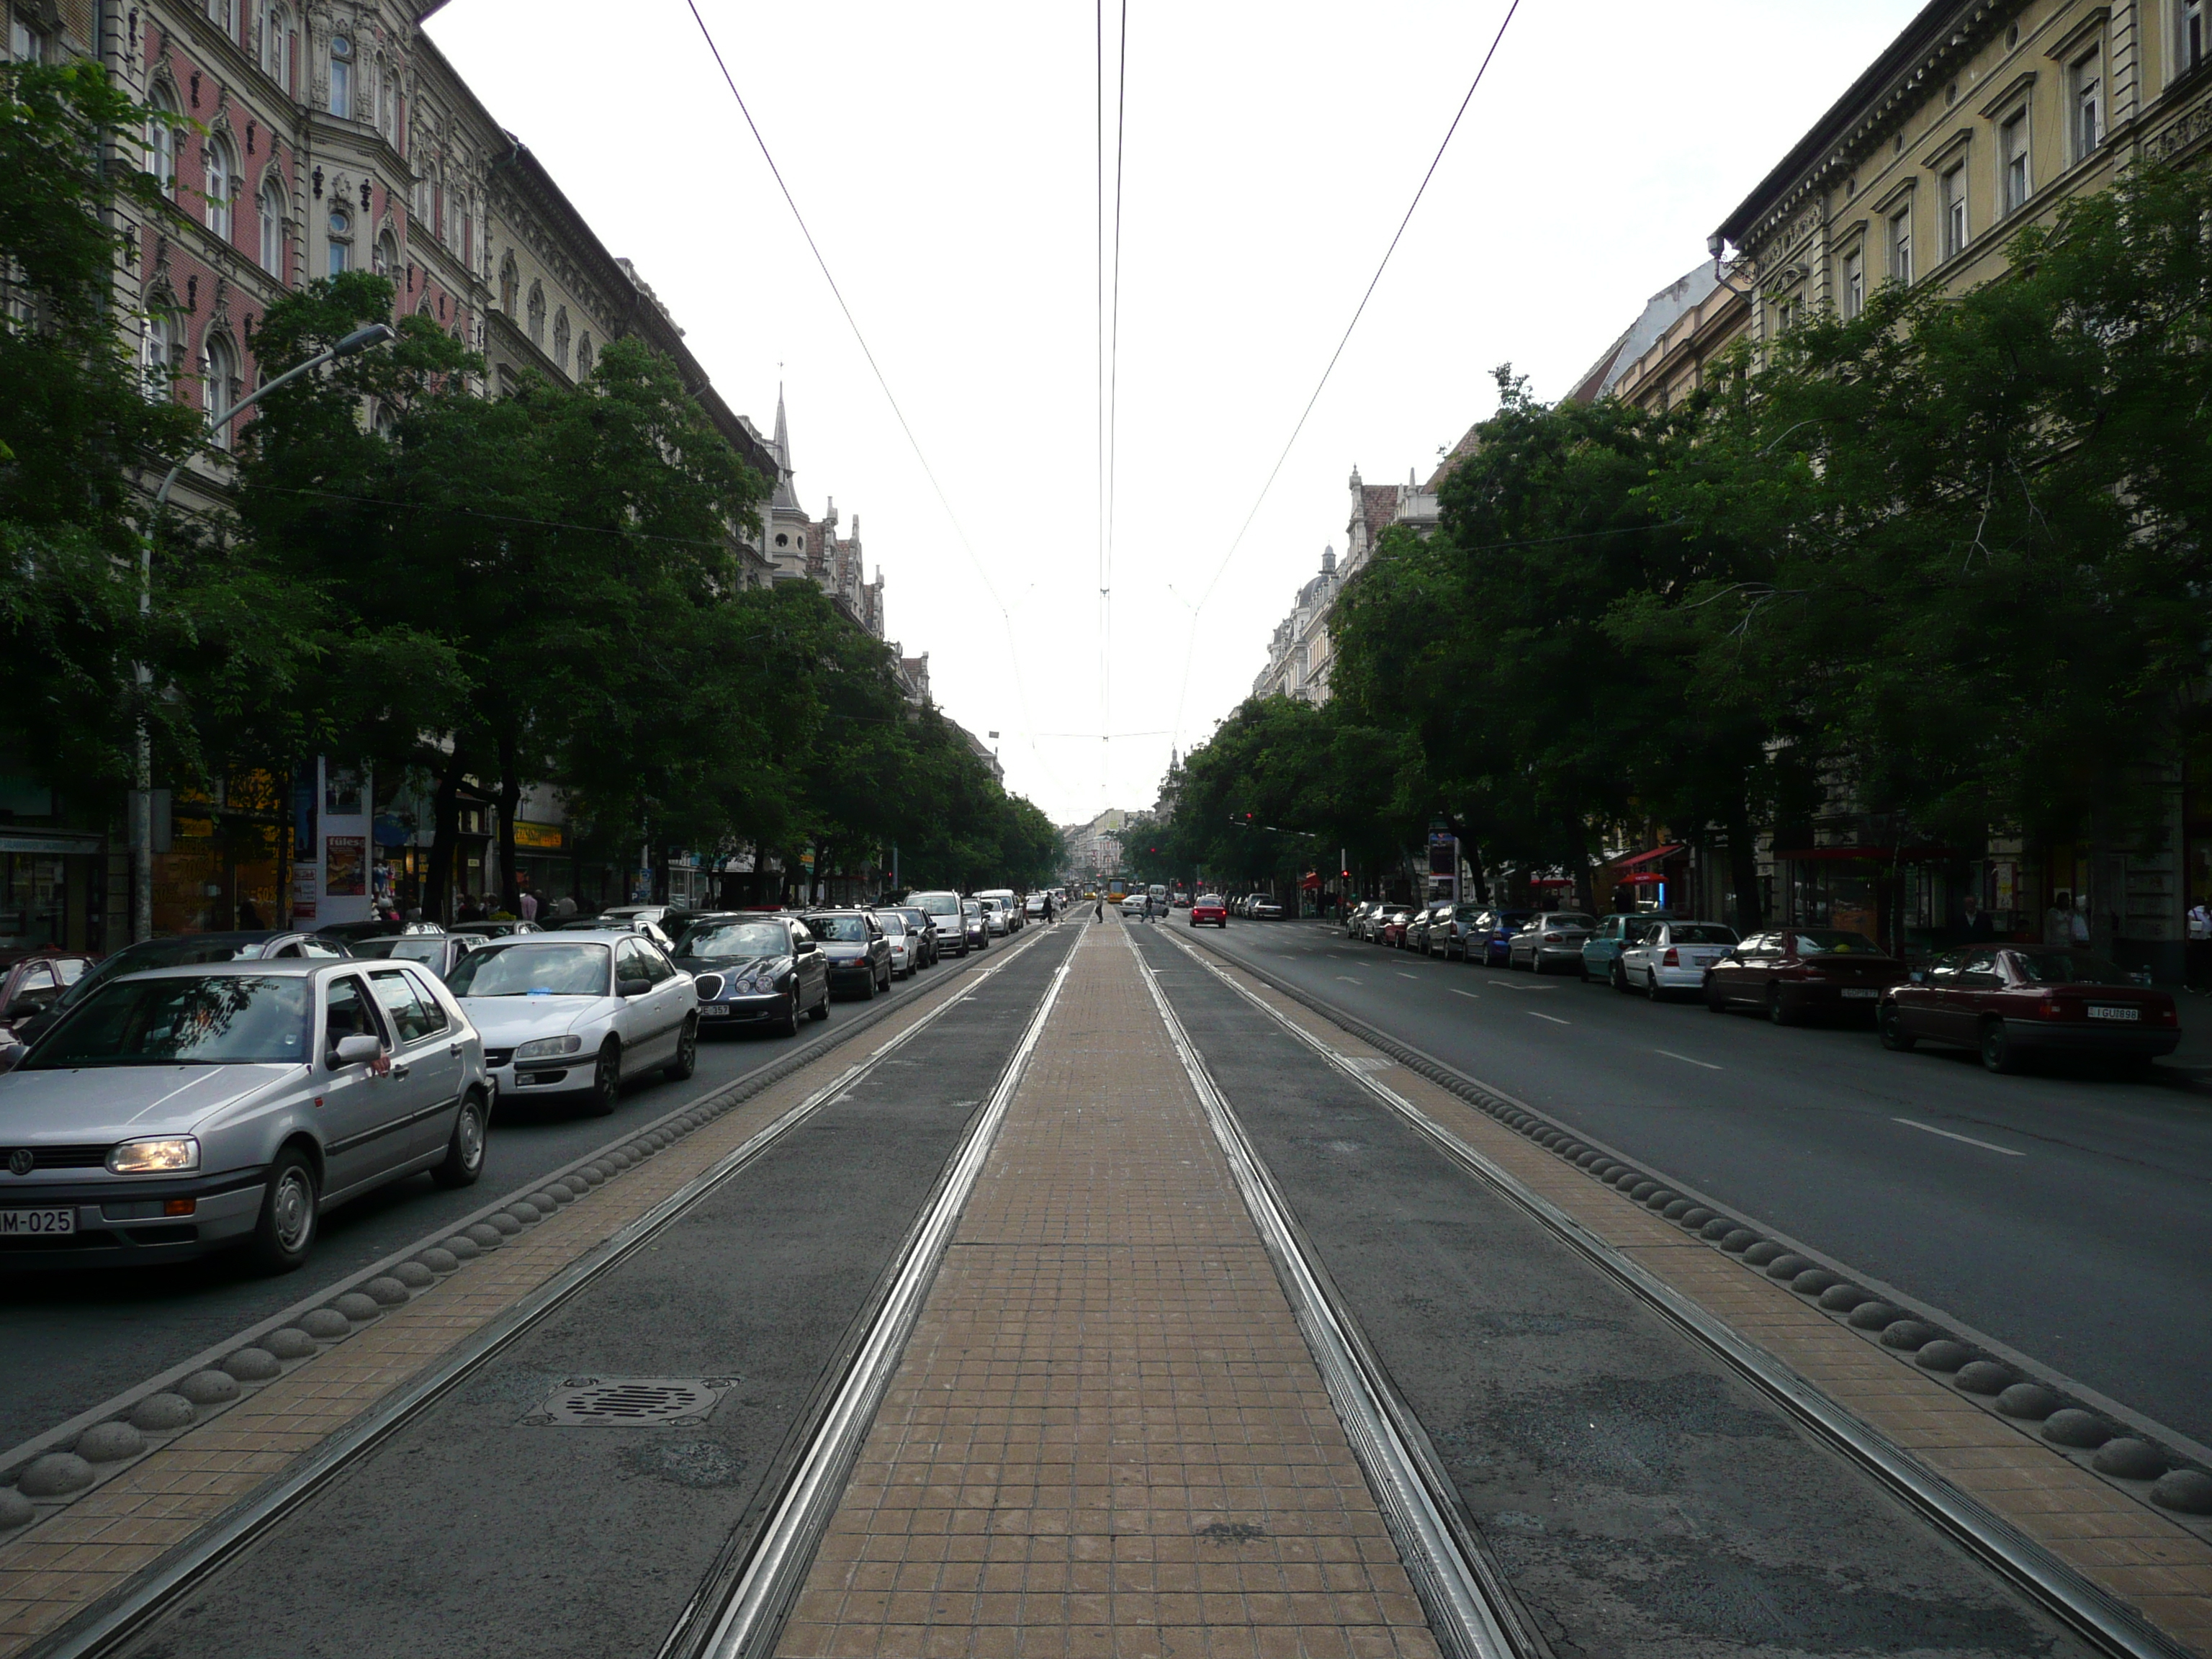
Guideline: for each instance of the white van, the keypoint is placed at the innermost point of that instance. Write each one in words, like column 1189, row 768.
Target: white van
column 1006, row 902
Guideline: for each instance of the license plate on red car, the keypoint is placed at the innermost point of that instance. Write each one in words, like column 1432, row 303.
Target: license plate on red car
column 1861, row 991
column 2105, row 1010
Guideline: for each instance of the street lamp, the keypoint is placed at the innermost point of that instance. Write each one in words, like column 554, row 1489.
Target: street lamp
column 142, row 805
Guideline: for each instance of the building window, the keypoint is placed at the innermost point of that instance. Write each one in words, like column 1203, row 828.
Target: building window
column 1953, row 198
column 1854, row 283
column 2012, row 159
column 25, row 44
column 386, row 113
column 384, row 258
column 277, row 46
column 163, row 350
column 2088, row 82
column 222, row 367
column 272, row 224
column 216, row 188
column 583, row 354
column 341, row 77
column 561, row 339
column 224, row 14
column 538, row 316
column 2190, row 47
column 161, row 141
column 341, row 242
column 510, row 285
column 1900, row 245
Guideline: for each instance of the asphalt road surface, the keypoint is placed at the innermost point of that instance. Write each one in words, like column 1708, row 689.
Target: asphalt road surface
column 2064, row 1214
column 74, row 1339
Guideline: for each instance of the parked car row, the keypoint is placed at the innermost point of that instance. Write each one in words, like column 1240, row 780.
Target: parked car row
column 2006, row 1001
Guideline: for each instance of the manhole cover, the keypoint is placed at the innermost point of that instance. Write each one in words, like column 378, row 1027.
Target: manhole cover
column 590, row 1402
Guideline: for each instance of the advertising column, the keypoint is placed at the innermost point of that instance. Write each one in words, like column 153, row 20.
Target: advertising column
column 344, row 894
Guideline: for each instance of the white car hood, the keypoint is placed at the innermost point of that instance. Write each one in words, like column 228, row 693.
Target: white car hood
column 508, row 1021
column 108, row 1102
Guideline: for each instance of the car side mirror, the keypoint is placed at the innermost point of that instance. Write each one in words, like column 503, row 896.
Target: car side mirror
column 633, row 988
column 359, row 1049
column 30, row 1003
column 11, row 1056
column 805, row 947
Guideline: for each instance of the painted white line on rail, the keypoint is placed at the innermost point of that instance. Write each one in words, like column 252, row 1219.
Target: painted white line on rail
column 1402, row 974
column 1987, row 1145
column 1469, row 996
column 1347, row 979
column 1532, row 1014
column 1707, row 1064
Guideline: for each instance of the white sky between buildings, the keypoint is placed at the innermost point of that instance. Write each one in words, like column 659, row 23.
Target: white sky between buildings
column 944, row 160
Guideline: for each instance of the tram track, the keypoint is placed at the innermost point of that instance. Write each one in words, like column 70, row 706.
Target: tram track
column 2100, row 1619
column 110, row 1624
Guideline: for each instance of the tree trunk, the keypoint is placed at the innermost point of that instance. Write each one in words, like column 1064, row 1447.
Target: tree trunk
column 510, row 803
column 1743, row 872
column 438, row 890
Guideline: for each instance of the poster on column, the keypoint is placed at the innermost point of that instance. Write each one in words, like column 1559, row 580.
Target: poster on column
column 345, row 865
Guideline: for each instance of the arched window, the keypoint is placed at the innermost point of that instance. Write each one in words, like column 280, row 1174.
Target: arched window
column 341, row 242
column 162, row 350
column 584, row 353
column 221, row 368
column 538, row 316
column 224, row 12
column 161, row 140
column 217, row 186
column 342, row 77
column 272, row 224
column 561, row 339
column 382, row 100
column 277, row 46
column 510, row 285
column 385, row 259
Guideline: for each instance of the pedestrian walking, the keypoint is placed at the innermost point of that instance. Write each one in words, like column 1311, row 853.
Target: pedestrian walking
column 2058, row 920
column 1979, row 927
column 1099, row 914
column 529, row 903
column 566, row 907
column 249, row 917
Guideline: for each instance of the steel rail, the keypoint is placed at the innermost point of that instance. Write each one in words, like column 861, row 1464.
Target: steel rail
column 751, row 1612
column 127, row 1612
column 1470, row 1610
column 2082, row 1606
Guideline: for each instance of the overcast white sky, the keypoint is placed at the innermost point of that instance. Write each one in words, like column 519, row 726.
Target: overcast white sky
column 944, row 157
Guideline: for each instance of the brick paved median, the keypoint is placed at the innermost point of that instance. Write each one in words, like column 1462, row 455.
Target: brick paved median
column 1106, row 1435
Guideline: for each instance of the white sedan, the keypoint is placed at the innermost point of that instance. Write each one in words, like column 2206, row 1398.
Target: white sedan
column 574, row 1013
column 1672, row 955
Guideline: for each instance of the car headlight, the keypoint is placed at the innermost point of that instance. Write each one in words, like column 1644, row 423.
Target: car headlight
column 548, row 1048
column 162, row 1157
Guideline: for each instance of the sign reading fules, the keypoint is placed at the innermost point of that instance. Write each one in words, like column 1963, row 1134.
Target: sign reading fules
column 345, row 865
column 1443, row 853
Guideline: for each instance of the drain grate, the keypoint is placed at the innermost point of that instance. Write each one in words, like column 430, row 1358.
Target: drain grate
column 592, row 1402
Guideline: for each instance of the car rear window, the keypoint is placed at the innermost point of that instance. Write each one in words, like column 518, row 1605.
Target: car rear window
column 938, row 904
column 2070, row 968
column 426, row 951
column 202, row 1020
column 533, row 969
column 1693, row 933
column 844, row 930
column 1834, row 942
column 722, row 941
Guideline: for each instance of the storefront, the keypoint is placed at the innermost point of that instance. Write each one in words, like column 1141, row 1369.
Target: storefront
column 1657, row 879
column 52, row 890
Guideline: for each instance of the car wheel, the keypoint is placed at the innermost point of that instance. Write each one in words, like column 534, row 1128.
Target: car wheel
column 606, row 1080
column 1536, row 962
column 1716, row 1000
column 1617, row 976
column 1652, row 991
column 290, row 1209
column 687, row 1053
column 885, row 984
column 464, row 1150
column 868, row 987
column 820, row 1009
column 1999, row 1052
column 787, row 1023
column 1894, row 1037
column 1777, row 1013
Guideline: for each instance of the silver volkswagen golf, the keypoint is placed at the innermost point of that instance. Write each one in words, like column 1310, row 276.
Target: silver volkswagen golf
column 185, row 1109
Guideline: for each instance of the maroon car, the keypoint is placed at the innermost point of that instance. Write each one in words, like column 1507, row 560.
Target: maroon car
column 1395, row 921
column 1794, row 972
column 2010, row 1001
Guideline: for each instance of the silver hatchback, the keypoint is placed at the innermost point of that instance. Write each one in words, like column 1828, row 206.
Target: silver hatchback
column 187, row 1109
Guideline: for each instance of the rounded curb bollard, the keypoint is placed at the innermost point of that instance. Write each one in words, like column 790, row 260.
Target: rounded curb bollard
column 209, row 1388
column 484, row 1236
column 327, row 1323
column 55, row 1475
column 1695, row 1217
column 1625, row 1176
column 1590, row 1160
column 1874, row 1315
column 1643, row 1189
column 2029, row 1401
column 1813, row 1281
column 544, row 1202
column 357, row 1307
column 595, row 1173
column 2188, row 1491
column 1841, row 1299
column 1759, row 1254
column 503, row 1226
column 1788, row 1266
column 1659, row 1200
column 2072, row 1427
column 414, row 1275
column 1987, row 1376
column 14, row 1508
column 1913, row 1334
column 252, row 1364
column 439, row 1259
column 162, row 1413
column 1718, row 1229
column 568, row 1191
column 110, row 1443
column 1942, row 1355
column 1742, row 1239
column 522, row 1215
column 2130, row 1460
column 620, row 1158
column 385, row 1292
column 290, row 1343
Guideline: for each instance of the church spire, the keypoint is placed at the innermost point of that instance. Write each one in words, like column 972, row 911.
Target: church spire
column 784, row 496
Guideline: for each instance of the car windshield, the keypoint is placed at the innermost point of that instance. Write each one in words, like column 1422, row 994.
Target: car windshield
column 533, row 969
column 938, row 904
column 891, row 922
column 429, row 951
column 723, row 941
column 1209, row 898
column 971, row 908
column 1698, row 933
column 843, row 930
column 200, row 1019
column 1569, row 918
column 1834, row 942
column 2070, row 968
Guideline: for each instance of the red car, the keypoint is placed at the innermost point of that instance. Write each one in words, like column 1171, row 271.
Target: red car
column 30, row 984
column 1794, row 972
column 1209, row 908
column 1393, row 930
column 2011, row 1001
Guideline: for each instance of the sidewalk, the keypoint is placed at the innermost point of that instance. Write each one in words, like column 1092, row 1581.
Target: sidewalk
column 1107, row 1436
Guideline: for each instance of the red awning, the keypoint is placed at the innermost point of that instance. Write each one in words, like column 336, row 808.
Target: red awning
column 1641, row 879
column 1551, row 881
column 1652, row 857
column 1309, row 882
